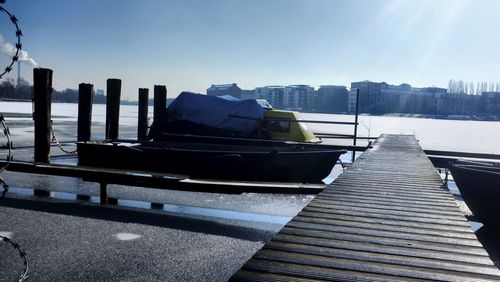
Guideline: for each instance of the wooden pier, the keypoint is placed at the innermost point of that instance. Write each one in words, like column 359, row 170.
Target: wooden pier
column 387, row 218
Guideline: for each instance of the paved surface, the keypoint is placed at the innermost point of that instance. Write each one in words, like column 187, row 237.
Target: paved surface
column 387, row 218
column 67, row 241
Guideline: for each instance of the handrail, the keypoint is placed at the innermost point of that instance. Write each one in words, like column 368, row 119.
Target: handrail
column 354, row 136
column 297, row 121
column 462, row 154
column 343, row 136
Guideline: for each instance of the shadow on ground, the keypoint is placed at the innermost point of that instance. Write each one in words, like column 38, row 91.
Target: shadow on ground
column 147, row 217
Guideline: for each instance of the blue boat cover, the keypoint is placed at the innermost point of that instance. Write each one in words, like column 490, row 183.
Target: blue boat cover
column 217, row 112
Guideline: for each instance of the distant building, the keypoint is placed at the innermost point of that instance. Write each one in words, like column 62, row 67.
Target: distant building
column 380, row 98
column 332, row 99
column 371, row 99
column 490, row 102
column 299, row 97
column 275, row 95
column 224, row 89
column 434, row 103
column 351, row 101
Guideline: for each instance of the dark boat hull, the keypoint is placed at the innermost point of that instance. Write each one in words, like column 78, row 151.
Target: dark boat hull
column 206, row 139
column 479, row 185
column 214, row 161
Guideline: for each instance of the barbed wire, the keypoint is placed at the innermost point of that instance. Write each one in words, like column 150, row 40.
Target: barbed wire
column 24, row 276
column 55, row 140
column 9, row 156
column 8, row 146
column 18, row 46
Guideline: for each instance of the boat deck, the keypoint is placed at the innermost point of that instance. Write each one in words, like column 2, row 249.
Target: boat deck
column 387, row 218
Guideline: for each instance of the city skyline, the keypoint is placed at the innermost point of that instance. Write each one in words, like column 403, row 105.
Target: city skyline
column 189, row 45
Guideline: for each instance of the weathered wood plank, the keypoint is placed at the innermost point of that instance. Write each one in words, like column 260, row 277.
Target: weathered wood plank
column 393, row 206
column 371, row 267
column 384, row 249
column 389, row 199
column 393, row 187
column 382, row 233
column 431, row 247
column 314, row 272
column 385, row 221
column 443, row 223
column 393, row 259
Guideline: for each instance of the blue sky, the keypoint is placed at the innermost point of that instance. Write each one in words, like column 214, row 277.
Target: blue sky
column 190, row 44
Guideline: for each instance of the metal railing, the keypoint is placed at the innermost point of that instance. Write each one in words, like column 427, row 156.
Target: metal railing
column 353, row 136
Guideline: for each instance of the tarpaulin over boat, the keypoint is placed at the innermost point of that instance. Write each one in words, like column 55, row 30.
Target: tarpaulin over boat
column 193, row 113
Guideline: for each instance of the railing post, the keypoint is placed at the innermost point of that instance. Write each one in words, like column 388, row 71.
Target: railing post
column 355, row 126
column 142, row 122
column 160, row 103
column 85, row 99
column 42, row 92
column 113, row 93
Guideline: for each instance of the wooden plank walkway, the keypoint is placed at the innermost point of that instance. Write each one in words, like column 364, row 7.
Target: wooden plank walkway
column 387, row 218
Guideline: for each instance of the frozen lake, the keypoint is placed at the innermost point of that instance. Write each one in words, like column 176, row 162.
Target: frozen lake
column 435, row 134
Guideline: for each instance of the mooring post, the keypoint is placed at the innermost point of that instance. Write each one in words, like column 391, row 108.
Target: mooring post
column 142, row 122
column 42, row 97
column 113, row 95
column 160, row 103
column 42, row 92
column 355, row 126
column 85, row 99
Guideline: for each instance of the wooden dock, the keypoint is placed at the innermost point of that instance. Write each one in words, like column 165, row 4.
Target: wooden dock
column 387, row 218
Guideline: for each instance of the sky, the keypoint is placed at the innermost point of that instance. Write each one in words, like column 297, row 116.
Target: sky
column 188, row 45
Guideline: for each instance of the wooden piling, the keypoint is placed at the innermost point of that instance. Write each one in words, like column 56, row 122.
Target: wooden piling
column 160, row 103
column 42, row 92
column 142, row 123
column 113, row 95
column 81, row 197
column 85, row 99
column 157, row 206
column 103, row 189
column 112, row 201
column 42, row 193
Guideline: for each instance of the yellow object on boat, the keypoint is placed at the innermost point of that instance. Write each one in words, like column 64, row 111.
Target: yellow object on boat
column 283, row 125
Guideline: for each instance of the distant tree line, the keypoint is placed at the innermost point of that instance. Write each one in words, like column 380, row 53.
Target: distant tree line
column 23, row 91
column 464, row 87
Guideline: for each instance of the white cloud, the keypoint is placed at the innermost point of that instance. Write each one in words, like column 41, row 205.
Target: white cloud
column 9, row 49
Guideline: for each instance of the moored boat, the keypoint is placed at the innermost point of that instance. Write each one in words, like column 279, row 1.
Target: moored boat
column 228, row 117
column 479, row 185
column 214, row 161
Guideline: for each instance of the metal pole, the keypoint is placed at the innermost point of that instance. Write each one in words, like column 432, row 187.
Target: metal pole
column 42, row 91
column 142, row 123
column 355, row 124
column 113, row 93
column 85, row 99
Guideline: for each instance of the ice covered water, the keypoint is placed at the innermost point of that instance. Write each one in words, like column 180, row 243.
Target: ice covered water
column 435, row 134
